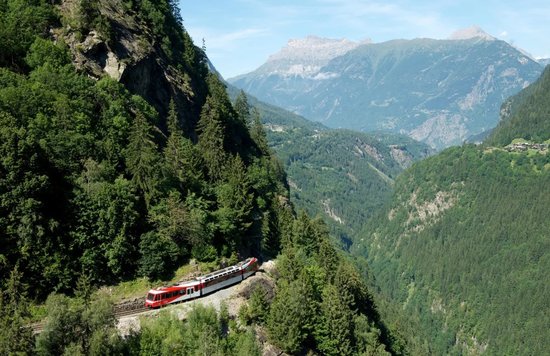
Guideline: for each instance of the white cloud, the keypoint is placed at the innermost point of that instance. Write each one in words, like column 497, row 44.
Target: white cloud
column 225, row 41
column 241, row 35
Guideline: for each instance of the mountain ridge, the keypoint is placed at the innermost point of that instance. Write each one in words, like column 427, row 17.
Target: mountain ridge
column 437, row 91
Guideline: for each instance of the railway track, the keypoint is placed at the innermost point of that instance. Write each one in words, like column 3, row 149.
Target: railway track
column 122, row 313
column 119, row 313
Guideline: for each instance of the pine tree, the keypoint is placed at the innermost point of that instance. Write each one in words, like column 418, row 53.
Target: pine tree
column 211, row 130
column 236, row 201
column 257, row 133
column 258, row 305
column 142, row 157
column 242, row 108
column 15, row 335
column 182, row 161
column 334, row 331
column 285, row 321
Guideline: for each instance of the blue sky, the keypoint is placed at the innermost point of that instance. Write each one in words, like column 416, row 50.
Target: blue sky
column 241, row 34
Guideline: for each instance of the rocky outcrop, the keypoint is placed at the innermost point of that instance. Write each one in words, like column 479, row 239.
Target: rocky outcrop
column 130, row 54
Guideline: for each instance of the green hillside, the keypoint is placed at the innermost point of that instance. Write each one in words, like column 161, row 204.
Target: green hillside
column 525, row 115
column 462, row 253
column 343, row 176
column 105, row 180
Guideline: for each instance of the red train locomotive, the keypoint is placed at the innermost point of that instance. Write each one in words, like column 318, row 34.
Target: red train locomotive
column 202, row 285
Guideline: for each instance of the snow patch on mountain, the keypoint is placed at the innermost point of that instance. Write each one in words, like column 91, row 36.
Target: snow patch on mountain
column 471, row 32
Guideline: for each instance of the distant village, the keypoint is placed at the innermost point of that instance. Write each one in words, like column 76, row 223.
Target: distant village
column 524, row 146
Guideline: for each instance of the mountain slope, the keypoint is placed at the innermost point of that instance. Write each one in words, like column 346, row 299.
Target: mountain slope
column 341, row 175
column 437, row 91
column 462, row 250
column 526, row 115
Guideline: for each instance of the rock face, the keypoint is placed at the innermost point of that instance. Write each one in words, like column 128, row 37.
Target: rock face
column 305, row 57
column 131, row 55
column 438, row 91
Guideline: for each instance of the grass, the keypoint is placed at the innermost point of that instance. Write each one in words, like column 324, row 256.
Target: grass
column 128, row 290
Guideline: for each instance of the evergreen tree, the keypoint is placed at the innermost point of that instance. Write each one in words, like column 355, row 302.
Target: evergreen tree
column 211, row 130
column 242, row 108
column 367, row 337
column 86, row 326
column 308, row 234
column 235, row 201
column 182, row 161
column 159, row 254
column 257, row 133
column 142, row 157
column 334, row 332
column 258, row 305
column 247, row 345
column 15, row 335
column 285, row 323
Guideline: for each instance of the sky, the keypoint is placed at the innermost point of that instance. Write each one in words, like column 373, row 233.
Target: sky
column 239, row 35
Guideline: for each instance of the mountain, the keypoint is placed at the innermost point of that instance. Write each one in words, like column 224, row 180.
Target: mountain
column 544, row 61
column 461, row 253
column 437, row 91
column 305, row 57
column 472, row 32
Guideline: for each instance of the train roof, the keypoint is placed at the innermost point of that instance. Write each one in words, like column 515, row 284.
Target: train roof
column 173, row 288
column 227, row 270
column 212, row 275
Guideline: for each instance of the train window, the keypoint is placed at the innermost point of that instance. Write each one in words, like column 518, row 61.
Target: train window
column 150, row 296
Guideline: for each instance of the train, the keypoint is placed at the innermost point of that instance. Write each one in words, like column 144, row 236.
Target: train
column 202, row 285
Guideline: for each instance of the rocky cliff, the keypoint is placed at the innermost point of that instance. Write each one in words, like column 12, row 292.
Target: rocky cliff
column 123, row 46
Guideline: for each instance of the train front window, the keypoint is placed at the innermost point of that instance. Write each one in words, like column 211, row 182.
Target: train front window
column 150, row 296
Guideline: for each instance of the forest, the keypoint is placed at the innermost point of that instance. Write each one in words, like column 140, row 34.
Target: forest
column 92, row 185
column 525, row 115
column 460, row 254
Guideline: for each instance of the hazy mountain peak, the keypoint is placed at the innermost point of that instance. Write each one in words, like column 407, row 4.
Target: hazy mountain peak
column 305, row 57
column 471, row 32
column 315, row 48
